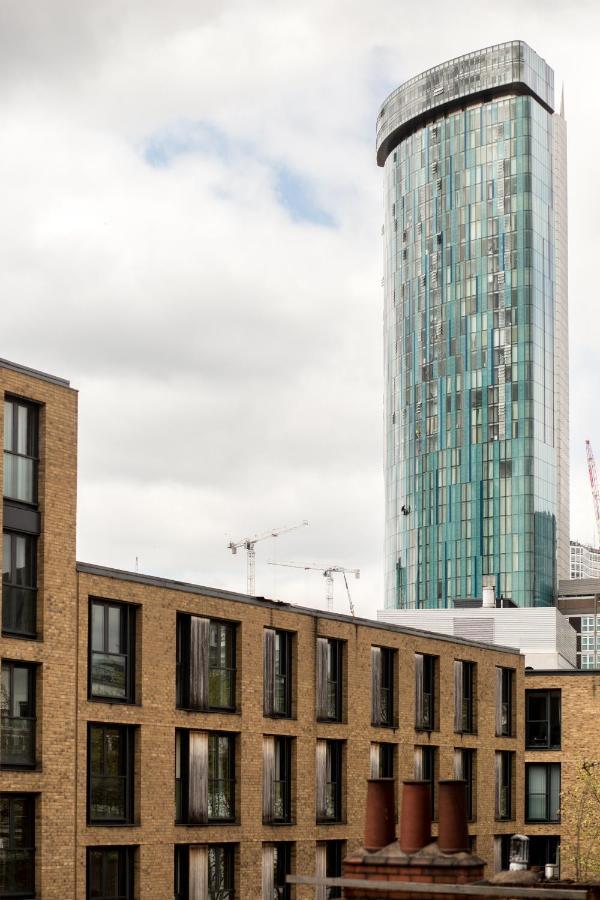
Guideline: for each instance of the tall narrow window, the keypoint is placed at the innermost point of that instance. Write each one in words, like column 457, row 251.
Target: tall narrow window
column 328, row 864
column 425, row 692
column 20, row 451
column 276, row 865
column 206, row 663
column 17, row 845
column 329, row 679
column 504, row 701
column 204, row 777
column 110, row 774
column 382, row 760
column 19, row 584
column 542, row 720
column 504, row 784
column 464, row 697
column 277, row 779
column 112, row 643
column 464, row 769
column 110, row 873
column 329, row 780
column 382, row 686
column 277, row 649
column 205, row 871
column 542, row 799
column 17, row 726
column 425, row 770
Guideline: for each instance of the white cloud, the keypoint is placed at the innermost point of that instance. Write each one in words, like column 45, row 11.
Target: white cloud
column 228, row 357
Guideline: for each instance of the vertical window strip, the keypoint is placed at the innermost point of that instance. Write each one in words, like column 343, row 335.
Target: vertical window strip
column 321, row 892
column 458, row 765
column 269, row 671
column 268, row 776
column 419, row 711
column 499, row 706
column 419, row 766
column 321, row 779
column 199, row 633
column 198, row 872
column 375, row 760
column 458, row 695
column 268, row 872
column 376, row 685
column 322, row 660
column 198, row 778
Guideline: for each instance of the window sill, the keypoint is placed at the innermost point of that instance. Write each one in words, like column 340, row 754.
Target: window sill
column 210, row 824
column 278, row 716
column 506, row 819
column 18, row 636
column 279, row 824
column 331, row 822
column 330, row 721
column 112, row 701
column 26, row 767
column 91, row 824
column 228, row 711
column 542, row 749
column 542, row 821
column 425, row 729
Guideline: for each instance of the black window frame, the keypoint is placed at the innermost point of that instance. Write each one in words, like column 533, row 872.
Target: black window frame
column 334, row 684
column 428, row 723
column 26, row 890
column 552, row 726
column 183, row 662
column 334, row 854
column 334, row 780
column 283, row 760
column 126, row 864
column 543, row 849
column 10, row 586
column 182, row 784
column 507, row 782
column 469, row 712
column 282, row 868
column 9, row 665
column 225, row 891
column 126, row 763
column 547, row 767
column 388, row 707
column 429, row 760
column 387, row 754
column 284, row 649
column 468, row 771
column 33, row 429
column 508, row 683
column 127, row 630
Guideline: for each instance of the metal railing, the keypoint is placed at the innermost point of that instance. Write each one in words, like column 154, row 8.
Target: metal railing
column 469, row 890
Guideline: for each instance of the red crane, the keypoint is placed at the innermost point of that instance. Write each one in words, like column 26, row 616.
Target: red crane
column 594, row 483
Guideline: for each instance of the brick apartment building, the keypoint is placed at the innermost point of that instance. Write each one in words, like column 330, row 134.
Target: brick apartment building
column 162, row 739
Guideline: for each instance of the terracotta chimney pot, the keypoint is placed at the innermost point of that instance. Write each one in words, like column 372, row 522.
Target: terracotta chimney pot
column 453, row 833
column 415, row 819
column 380, row 825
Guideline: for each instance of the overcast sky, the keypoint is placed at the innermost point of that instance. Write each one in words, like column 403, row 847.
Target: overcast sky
column 190, row 233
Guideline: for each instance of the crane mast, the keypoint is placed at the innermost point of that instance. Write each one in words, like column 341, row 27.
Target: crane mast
column 327, row 572
column 595, row 485
column 248, row 545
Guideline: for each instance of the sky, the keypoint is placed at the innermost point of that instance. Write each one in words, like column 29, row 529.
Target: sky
column 191, row 233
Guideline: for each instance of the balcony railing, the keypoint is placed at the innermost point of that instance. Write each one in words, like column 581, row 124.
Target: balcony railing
column 17, row 741
column 17, row 873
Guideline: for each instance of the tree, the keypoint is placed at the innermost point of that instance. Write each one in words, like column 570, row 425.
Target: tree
column 581, row 816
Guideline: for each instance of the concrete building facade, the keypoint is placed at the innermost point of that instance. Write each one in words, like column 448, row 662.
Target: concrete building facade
column 475, row 331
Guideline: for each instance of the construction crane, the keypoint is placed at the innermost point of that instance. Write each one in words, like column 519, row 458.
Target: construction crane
column 248, row 544
column 327, row 572
column 595, row 485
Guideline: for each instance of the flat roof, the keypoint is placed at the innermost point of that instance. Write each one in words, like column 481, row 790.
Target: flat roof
column 220, row 594
column 577, row 672
column 33, row 373
column 578, row 587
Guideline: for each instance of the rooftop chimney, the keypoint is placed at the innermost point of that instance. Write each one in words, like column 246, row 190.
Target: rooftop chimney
column 453, row 833
column 380, row 824
column 415, row 819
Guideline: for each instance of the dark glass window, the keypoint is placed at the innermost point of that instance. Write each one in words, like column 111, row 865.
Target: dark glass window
column 215, row 781
column 425, row 692
column 17, row 726
column 282, row 864
column 220, row 869
column 542, row 798
column 468, row 704
column 282, row 792
column 504, row 784
column 507, row 729
column 383, row 686
column 429, row 775
column 282, row 693
column 19, row 584
column 110, row 774
column 333, row 782
column 542, row 725
column 333, row 681
column 17, row 845
column 467, row 774
column 212, row 663
column 386, row 760
column 112, row 642
column 334, row 851
column 20, row 451
column 543, row 849
column 110, row 873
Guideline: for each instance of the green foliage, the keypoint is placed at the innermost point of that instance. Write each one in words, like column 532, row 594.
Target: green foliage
column 581, row 816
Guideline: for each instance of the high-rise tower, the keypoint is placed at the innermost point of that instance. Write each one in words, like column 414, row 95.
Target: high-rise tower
column 476, row 356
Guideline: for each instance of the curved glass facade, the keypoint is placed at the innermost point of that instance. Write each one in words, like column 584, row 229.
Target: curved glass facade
column 470, row 456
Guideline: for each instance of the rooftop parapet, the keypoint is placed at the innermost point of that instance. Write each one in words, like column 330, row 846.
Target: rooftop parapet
column 512, row 67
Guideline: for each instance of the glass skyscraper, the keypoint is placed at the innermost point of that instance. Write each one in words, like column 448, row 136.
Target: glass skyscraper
column 476, row 364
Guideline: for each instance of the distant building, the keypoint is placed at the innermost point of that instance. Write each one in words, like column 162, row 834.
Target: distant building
column 585, row 561
column 475, row 324
column 579, row 602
